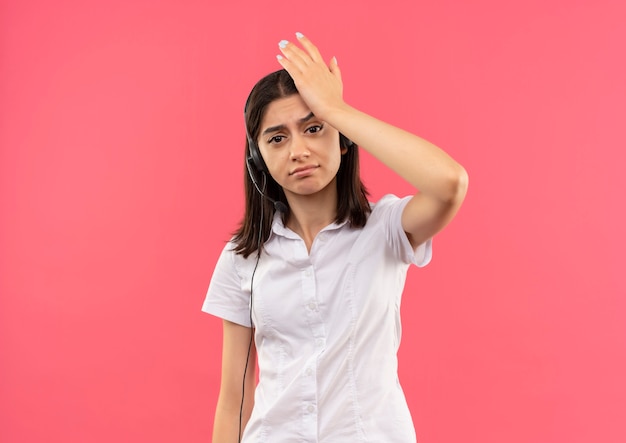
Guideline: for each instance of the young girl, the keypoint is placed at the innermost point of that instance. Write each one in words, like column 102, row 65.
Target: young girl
column 309, row 287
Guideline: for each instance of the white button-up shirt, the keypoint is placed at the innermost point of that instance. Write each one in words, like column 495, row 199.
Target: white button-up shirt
column 327, row 329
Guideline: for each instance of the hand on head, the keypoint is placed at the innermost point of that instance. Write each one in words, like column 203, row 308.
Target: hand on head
column 318, row 83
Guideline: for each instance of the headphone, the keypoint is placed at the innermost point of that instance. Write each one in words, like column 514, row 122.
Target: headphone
column 255, row 156
column 255, row 162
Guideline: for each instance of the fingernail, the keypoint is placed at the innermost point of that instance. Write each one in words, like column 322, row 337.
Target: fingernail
column 299, row 34
column 283, row 43
column 279, row 57
column 335, row 58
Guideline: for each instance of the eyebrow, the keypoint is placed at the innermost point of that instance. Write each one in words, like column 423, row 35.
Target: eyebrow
column 281, row 127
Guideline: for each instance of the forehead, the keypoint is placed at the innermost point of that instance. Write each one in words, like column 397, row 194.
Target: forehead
column 284, row 111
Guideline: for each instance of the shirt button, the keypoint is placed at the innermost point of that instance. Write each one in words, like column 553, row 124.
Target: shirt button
column 307, row 273
column 319, row 342
column 311, row 408
column 312, row 306
column 309, row 371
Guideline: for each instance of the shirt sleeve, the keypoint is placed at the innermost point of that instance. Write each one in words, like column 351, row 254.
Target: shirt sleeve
column 225, row 297
column 391, row 207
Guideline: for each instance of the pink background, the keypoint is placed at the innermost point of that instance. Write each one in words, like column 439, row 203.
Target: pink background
column 121, row 138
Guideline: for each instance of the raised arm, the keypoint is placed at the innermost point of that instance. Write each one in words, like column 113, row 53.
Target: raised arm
column 441, row 181
column 227, row 424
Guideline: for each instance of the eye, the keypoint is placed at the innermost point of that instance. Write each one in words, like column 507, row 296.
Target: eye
column 276, row 139
column 314, row 129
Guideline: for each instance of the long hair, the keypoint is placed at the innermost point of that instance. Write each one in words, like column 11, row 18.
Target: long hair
column 255, row 228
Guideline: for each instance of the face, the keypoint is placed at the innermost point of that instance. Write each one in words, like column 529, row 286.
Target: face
column 301, row 151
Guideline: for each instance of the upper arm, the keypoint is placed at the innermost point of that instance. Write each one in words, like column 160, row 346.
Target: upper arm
column 424, row 215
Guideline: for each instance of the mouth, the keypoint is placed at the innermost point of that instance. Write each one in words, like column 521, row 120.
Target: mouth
column 303, row 170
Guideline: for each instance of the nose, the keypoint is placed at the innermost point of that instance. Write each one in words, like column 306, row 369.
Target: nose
column 298, row 148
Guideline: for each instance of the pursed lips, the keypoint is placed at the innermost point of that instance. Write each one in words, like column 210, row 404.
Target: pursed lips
column 303, row 168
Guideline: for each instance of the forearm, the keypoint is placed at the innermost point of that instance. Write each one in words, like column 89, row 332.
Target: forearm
column 421, row 163
column 433, row 172
column 229, row 422
column 236, row 349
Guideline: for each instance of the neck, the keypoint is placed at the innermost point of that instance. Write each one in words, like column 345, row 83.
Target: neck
column 309, row 214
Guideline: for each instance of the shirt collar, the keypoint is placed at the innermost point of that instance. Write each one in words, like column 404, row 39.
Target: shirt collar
column 278, row 228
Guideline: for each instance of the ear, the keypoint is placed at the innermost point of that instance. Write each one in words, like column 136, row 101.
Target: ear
column 345, row 143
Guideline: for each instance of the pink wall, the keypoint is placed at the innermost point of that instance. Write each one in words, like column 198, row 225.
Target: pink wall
column 120, row 179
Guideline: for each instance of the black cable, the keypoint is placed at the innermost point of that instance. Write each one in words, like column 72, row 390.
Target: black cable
column 245, row 369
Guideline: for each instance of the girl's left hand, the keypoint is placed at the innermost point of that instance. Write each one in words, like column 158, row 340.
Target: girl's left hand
column 319, row 85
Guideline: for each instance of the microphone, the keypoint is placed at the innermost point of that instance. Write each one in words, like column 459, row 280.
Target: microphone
column 278, row 205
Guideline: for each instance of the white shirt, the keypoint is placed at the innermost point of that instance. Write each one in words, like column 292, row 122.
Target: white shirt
column 327, row 329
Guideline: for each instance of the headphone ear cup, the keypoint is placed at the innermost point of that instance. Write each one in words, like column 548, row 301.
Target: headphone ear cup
column 255, row 155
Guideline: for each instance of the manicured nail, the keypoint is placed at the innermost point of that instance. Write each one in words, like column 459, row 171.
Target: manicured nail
column 283, row 43
column 299, row 34
column 279, row 57
column 335, row 59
